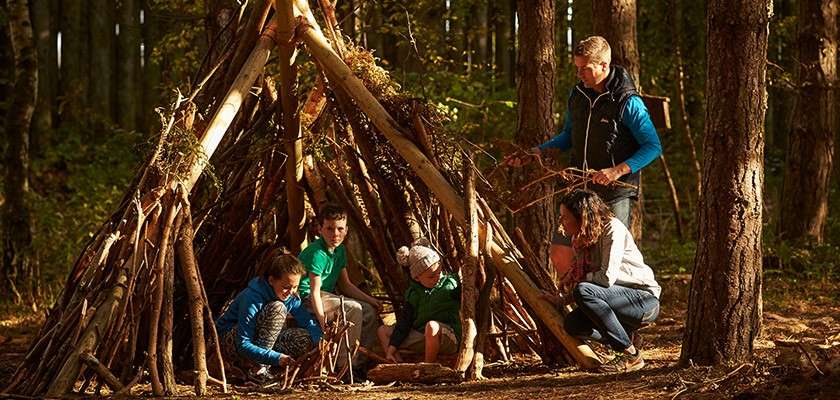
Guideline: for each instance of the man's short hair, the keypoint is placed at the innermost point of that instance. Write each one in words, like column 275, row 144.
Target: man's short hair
column 333, row 212
column 595, row 49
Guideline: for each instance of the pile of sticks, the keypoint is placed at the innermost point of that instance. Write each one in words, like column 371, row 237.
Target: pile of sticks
column 186, row 237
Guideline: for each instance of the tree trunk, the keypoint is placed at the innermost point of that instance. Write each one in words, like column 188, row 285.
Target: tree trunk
column 536, row 93
column 128, row 90
column 505, row 47
column 19, row 267
column 45, row 42
column 73, row 92
column 151, row 71
column 724, row 307
column 811, row 142
column 615, row 20
column 581, row 20
column 679, row 84
column 102, row 57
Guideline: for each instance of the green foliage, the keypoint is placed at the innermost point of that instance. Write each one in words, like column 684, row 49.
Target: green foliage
column 78, row 182
column 182, row 45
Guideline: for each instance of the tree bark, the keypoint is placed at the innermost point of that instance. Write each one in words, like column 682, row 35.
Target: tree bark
column 128, row 50
column 19, row 266
column 505, row 48
column 73, row 90
column 615, row 20
column 724, row 307
column 45, row 42
column 811, row 142
column 150, row 120
column 535, row 92
column 102, row 57
column 679, row 84
column 581, row 20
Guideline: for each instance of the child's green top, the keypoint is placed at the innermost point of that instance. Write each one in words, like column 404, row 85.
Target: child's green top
column 442, row 303
column 324, row 263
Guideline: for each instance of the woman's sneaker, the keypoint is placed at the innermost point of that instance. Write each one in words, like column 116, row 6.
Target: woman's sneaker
column 623, row 362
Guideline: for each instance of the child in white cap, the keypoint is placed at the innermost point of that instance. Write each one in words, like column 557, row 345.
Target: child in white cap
column 430, row 323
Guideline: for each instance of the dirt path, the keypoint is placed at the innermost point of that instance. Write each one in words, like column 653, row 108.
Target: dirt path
column 789, row 315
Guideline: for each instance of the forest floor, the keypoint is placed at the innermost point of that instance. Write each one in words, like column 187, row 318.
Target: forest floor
column 803, row 313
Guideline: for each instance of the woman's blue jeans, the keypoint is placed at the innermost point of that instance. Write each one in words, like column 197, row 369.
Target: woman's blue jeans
column 610, row 314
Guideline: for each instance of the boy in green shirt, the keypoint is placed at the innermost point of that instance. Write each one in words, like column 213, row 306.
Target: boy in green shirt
column 325, row 260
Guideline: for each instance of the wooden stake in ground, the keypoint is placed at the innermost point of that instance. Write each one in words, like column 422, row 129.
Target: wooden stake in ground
column 469, row 295
column 189, row 270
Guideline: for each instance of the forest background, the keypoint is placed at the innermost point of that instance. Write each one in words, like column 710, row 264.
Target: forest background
column 104, row 66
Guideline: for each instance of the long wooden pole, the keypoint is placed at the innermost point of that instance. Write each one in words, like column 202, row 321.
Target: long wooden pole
column 341, row 75
column 291, row 126
column 221, row 120
column 189, row 270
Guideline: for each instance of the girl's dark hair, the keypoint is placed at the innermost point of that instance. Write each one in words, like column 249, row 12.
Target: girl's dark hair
column 279, row 265
column 592, row 213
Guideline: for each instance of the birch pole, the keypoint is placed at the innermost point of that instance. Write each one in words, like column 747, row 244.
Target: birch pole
column 503, row 257
column 221, row 120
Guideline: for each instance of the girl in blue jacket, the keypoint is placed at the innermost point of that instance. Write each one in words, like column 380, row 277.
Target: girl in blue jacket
column 253, row 327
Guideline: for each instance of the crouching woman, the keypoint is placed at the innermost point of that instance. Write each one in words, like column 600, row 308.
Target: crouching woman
column 614, row 290
column 253, row 329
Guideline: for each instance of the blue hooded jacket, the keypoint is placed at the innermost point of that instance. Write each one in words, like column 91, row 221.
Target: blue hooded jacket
column 242, row 313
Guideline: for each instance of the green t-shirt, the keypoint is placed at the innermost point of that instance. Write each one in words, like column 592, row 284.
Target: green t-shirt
column 324, row 263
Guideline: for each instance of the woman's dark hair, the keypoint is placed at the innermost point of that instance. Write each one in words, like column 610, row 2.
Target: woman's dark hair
column 592, row 213
column 280, row 265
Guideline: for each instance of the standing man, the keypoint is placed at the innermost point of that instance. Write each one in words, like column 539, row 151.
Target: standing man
column 608, row 129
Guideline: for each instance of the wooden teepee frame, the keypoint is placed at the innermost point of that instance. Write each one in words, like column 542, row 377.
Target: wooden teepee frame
column 121, row 298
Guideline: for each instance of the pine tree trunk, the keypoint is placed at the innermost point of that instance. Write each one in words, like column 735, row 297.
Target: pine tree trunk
column 73, row 91
column 679, row 84
column 536, row 71
column 535, row 90
column 128, row 90
column 811, row 142
column 615, row 20
column 102, row 57
column 581, row 20
column 19, row 268
column 504, row 45
column 724, row 307
column 45, row 42
column 151, row 71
